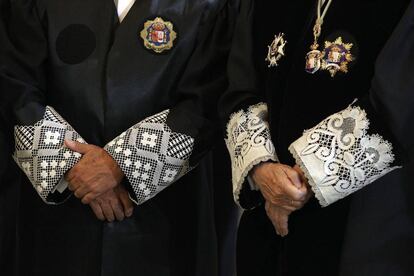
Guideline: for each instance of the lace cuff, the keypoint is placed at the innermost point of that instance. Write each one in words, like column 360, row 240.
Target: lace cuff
column 249, row 143
column 41, row 154
column 339, row 157
column 151, row 155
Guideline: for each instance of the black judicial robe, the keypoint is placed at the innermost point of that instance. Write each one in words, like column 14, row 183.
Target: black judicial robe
column 8, row 175
column 371, row 231
column 77, row 72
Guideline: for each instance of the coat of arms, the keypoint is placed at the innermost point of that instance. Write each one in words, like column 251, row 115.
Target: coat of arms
column 158, row 35
column 337, row 56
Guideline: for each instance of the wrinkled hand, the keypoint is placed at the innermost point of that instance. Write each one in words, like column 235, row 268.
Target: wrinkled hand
column 279, row 218
column 281, row 185
column 114, row 204
column 96, row 173
column 309, row 192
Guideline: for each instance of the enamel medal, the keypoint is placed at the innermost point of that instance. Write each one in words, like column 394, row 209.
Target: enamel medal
column 313, row 60
column 158, row 35
column 276, row 50
column 337, row 56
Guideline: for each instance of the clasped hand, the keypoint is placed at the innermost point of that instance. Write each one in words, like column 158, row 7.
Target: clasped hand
column 96, row 179
column 285, row 190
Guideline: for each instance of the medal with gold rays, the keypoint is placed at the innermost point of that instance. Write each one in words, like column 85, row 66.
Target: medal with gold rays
column 337, row 56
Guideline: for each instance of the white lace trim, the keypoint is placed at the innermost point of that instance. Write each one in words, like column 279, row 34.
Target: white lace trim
column 151, row 155
column 340, row 158
column 249, row 143
column 41, row 154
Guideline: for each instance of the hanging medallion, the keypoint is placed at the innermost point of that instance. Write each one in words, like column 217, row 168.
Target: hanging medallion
column 313, row 61
column 158, row 35
column 276, row 50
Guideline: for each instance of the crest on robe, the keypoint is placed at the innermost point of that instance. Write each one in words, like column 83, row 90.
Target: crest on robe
column 158, row 35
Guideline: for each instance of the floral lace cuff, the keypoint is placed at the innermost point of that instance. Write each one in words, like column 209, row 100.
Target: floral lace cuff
column 249, row 143
column 339, row 157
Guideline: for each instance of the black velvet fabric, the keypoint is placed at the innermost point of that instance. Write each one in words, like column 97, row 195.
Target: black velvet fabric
column 321, row 238
column 9, row 174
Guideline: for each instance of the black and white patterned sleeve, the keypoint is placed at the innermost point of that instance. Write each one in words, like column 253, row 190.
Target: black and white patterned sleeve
column 249, row 143
column 41, row 154
column 344, row 153
column 151, row 155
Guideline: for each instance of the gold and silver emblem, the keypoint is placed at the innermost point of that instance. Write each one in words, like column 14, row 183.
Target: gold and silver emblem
column 276, row 50
column 337, row 56
column 158, row 35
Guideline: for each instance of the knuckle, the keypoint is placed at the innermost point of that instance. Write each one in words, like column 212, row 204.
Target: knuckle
column 298, row 196
column 273, row 201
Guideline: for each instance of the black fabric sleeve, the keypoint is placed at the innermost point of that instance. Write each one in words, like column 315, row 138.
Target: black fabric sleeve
column 243, row 112
column 39, row 130
column 393, row 85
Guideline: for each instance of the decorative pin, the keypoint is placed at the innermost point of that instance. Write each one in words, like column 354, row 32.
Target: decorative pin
column 276, row 50
column 158, row 35
column 313, row 61
column 337, row 56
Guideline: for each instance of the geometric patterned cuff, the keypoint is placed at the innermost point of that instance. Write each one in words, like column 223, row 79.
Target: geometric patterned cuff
column 151, row 155
column 340, row 158
column 41, row 154
column 249, row 143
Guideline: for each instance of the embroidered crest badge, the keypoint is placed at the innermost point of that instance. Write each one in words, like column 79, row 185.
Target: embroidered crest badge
column 158, row 35
column 276, row 50
column 337, row 56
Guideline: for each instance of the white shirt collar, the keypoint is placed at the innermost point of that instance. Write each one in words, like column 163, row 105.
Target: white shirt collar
column 123, row 7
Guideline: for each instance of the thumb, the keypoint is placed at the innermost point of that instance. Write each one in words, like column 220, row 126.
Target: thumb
column 77, row 147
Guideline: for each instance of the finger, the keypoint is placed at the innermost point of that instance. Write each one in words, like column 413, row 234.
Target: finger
column 107, row 211
column 301, row 173
column 78, row 147
column 88, row 198
column 117, row 209
column 282, row 224
column 294, row 177
column 270, row 215
column 96, row 208
column 73, row 185
column 70, row 175
column 291, row 205
column 81, row 192
column 126, row 204
column 293, row 193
